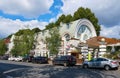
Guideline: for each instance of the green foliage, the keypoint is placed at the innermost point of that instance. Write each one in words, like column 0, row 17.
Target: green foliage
column 109, row 48
column 54, row 41
column 3, row 47
column 50, row 25
column 23, row 43
column 56, row 24
column 20, row 32
column 9, row 36
column 113, row 55
column 79, row 14
column 36, row 30
column 86, row 13
column 67, row 19
column 60, row 19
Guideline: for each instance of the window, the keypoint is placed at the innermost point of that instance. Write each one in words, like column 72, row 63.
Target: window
column 67, row 36
column 84, row 32
column 68, row 25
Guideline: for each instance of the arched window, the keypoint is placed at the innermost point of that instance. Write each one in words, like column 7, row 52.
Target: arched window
column 84, row 31
column 67, row 36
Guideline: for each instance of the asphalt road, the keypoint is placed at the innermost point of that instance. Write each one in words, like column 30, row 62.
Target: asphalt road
column 10, row 69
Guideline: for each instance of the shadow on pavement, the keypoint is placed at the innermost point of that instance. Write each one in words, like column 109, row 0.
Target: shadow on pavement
column 49, row 71
column 8, row 69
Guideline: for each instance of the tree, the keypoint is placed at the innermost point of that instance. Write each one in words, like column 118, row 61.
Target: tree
column 86, row 13
column 36, row 30
column 9, row 36
column 67, row 19
column 79, row 14
column 3, row 47
column 54, row 41
column 60, row 19
column 23, row 43
column 50, row 25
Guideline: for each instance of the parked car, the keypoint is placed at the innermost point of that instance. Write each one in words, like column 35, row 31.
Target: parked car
column 64, row 60
column 40, row 59
column 18, row 58
column 105, row 63
column 27, row 59
column 11, row 58
column 5, row 57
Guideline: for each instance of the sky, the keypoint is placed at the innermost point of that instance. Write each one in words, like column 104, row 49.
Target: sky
column 19, row 14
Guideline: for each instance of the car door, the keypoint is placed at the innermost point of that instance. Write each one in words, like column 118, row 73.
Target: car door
column 62, row 59
column 98, row 62
column 91, row 63
column 57, row 60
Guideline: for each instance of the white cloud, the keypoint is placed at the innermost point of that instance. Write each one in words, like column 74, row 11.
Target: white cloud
column 26, row 8
column 112, row 32
column 107, row 11
column 8, row 26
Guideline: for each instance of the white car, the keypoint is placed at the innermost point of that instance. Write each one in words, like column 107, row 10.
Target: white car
column 11, row 58
column 19, row 58
column 101, row 63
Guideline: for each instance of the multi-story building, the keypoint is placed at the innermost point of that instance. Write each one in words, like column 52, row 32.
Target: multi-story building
column 72, row 34
column 78, row 38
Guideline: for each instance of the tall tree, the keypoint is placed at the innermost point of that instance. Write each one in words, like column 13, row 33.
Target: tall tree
column 86, row 13
column 67, row 19
column 79, row 14
column 50, row 25
column 60, row 19
column 23, row 43
column 54, row 41
column 36, row 30
column 3, row 47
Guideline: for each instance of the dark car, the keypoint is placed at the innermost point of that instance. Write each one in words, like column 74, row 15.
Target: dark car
column 5, row 57
column 64, row 60
column 27, row 59
column 40, row 59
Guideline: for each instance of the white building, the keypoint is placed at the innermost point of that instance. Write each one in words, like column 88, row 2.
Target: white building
column 72, row 34
column 11, row 44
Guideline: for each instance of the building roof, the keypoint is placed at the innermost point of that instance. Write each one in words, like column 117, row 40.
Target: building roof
column 96, row 41
column 93, row 42
column 7, row 41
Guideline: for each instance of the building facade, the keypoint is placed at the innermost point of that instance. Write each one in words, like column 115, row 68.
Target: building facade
column 72, row 34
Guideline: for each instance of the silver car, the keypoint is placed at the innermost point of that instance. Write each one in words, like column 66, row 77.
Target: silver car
column 105, row 63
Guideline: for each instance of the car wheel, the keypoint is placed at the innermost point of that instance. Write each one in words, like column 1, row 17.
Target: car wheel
column 116, row 68
column 85, row 66
column 107, row 67
column 65, row 64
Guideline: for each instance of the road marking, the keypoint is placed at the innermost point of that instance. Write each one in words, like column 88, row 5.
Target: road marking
column 13, row 70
